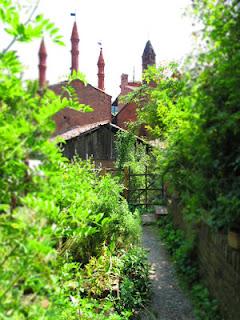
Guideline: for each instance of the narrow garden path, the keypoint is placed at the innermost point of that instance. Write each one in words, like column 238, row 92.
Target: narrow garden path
column 168, row 300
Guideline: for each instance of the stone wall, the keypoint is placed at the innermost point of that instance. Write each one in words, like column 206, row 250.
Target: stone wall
column 219, row 265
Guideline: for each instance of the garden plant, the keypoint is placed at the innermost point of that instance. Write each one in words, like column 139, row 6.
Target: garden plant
column 68, row 239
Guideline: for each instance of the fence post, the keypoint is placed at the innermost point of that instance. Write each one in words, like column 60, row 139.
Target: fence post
column 163, row 188
column 146, row 187
column 126, row 183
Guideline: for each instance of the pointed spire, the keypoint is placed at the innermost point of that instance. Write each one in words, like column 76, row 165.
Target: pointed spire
column 149, row 56
column 101, row 75
column 74, row 51
column 42, row 64
column 101, row 59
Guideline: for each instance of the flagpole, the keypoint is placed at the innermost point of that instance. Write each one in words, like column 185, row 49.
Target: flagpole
column 74, row 14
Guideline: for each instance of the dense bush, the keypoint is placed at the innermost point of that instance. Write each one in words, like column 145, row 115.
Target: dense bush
column 196, row 113
column 122, row 279
column 135, row 283
column 56, row 217
column 93, row 213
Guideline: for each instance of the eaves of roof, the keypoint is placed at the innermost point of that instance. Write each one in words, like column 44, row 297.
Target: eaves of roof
column 82, row 130
column 77, row 131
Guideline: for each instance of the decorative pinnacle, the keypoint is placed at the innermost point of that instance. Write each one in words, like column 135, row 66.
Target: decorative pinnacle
column 74, row 51
column 42, row 50
column 101, row 59
column 42, row 64
column 101, row 75
column 75, row 35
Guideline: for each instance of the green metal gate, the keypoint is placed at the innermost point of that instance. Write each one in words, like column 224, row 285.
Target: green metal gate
column 144, row 189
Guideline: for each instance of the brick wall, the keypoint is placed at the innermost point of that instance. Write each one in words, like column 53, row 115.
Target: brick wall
column 219, row 264
column 220, row 270
column 89, row 95
column 128, row 113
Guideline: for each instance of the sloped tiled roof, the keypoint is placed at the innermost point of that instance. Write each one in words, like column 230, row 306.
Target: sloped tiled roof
column 75, row 132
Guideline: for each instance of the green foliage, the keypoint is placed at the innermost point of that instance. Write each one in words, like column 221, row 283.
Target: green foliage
column 133, row 158
column 102, row 274
column 95, row 213
column 183, row 255
column 125, row 148
column 122, row 279
column 130, row 152
column 135, row 284
column 72, row 100
column 25, row 29
column 205, row 307
column 56, row 217
column 182, row 250
column 195, row 113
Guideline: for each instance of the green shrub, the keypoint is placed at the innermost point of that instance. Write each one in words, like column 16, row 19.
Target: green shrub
column 194, row 112
column 121, row 279
column 205, row 307
column 102, row 275
column 135, row 284
column 183, row 256
column 56, row 217
column 93, row 213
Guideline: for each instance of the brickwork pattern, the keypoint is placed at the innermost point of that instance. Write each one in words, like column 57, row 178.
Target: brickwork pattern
column 127, row 114
column 219, row 264
column 89, row 95
column 220, row 269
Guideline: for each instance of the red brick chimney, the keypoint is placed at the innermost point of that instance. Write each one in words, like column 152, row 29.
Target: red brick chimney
column 101, row 65
column 42, row 65
column 124, row 83
column 74, row 51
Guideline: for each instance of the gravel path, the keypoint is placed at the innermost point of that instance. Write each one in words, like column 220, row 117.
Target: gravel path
column 168, row 300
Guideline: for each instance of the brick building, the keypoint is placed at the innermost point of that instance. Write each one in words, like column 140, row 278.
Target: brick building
column 100, row 102
column 97, row 98
column 128, row 112
column 70, row 121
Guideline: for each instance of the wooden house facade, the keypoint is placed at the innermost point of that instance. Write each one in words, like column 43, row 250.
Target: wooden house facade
column 95, row 141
